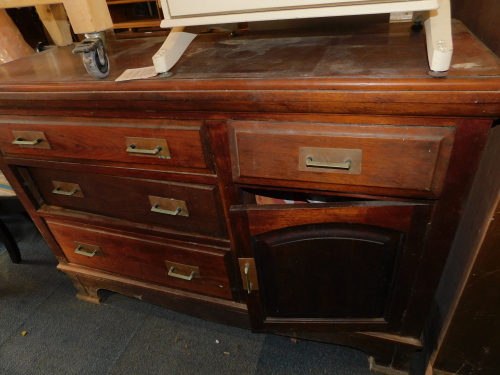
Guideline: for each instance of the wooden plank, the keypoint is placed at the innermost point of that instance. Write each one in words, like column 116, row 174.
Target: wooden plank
column 141, row 23
column 25, row 3
column 56, row 22
column 86, row 16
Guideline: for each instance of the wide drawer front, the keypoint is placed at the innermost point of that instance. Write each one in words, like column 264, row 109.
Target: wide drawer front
column 200, row 269
column 182, row 8
column 189, row 207
column 162, row 142
column 413, row 158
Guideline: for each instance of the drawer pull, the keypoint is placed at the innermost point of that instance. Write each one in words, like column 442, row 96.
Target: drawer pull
column 58, row 190
column 20, row 141
column 147, row 147
column 68, row 189
column 79, row 250
column 88, row 250
column 180, row 276
column 311, row 163
column 133, row 150
column 172, row 207
column 175, row 212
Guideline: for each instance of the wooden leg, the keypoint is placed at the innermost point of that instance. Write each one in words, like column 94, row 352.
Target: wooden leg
column 172, row 49
column 85, row 292
column 400, row 363
column 386, row 370
column 439, row 40
column 90, row 295
column 10, row 243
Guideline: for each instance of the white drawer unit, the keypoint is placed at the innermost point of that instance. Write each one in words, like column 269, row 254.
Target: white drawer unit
column 181, row 13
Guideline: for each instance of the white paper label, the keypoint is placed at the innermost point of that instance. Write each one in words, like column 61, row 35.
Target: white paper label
column 139, row 73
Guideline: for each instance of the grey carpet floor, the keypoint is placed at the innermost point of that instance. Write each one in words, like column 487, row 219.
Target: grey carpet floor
column 44, row 329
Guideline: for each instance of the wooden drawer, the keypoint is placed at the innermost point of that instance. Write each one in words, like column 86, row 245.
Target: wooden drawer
column 197, row 268
column 133, row 199
column 402, row 157
column 152, row 141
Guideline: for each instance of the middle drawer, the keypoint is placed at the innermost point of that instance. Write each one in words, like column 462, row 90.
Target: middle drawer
column 189, row 207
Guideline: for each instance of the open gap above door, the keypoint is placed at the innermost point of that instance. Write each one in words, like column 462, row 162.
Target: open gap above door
column 266, row 197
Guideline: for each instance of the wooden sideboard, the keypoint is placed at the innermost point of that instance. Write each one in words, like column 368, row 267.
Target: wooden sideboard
column 303, row 183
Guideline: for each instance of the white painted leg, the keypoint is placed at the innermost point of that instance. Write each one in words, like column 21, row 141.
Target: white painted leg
column 172, row 49
column 439, row 40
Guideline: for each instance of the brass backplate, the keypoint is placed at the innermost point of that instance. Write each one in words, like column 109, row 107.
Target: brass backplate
column 331, row 155
column 184, row 269
column 148, row 144
column 88, row 248
column 252, row 273
column 68, row 187
column 168, row 204
column 32, row 136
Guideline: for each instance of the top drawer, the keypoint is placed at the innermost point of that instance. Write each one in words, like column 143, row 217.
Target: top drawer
column 152, row 141
column 413, row 158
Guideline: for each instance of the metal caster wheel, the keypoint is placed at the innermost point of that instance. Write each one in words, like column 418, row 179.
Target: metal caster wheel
column 96, row 63
column 95, row 59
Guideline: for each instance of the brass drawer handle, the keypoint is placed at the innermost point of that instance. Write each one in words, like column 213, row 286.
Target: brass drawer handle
column 168, row 206
column 88, row 250
column 175, row 212
column 59, row 191
column 19, row 141
column 311, row 163
column 133, row 150
column 79, row 250
column 179, row 276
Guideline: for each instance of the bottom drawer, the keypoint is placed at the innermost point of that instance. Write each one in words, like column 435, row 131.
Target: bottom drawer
column 194, row 267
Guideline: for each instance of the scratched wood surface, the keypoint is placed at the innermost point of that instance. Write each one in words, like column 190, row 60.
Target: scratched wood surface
column 385, row 50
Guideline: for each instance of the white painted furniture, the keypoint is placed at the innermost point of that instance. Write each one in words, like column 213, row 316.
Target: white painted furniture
column 181, row 13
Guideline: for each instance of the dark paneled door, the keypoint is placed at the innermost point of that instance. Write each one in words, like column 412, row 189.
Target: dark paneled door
column 343, row 266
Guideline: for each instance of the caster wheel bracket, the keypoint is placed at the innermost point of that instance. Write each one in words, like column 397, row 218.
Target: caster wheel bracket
column 94, row 57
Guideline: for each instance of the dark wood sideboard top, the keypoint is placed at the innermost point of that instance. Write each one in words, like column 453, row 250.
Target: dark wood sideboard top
column 322, row 69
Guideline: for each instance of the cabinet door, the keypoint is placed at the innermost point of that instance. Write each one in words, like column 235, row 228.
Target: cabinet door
column 343, row 266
